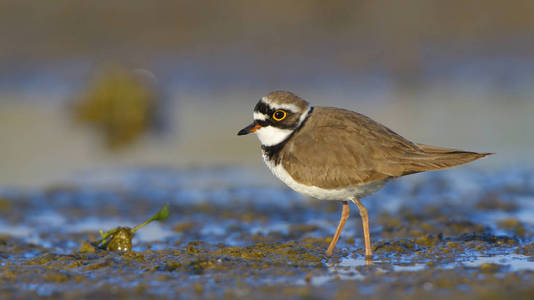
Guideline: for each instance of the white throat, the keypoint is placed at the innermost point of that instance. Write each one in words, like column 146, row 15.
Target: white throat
column 270, row 136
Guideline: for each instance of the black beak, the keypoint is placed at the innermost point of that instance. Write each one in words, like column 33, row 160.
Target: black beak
column 249, row 129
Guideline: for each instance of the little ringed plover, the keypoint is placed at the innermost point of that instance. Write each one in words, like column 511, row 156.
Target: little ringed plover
column 336, row 154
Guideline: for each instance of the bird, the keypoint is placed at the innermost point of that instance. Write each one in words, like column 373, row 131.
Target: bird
column 332, row 153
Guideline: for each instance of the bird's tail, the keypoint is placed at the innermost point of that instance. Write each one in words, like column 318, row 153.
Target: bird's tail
column 436, row 158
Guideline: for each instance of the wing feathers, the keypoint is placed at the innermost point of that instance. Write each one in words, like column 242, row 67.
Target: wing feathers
column 339, row 148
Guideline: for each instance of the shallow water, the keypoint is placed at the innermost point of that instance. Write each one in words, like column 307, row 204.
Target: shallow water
column 460, row 233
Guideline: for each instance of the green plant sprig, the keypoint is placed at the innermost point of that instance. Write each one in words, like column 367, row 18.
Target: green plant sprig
column 161, row 215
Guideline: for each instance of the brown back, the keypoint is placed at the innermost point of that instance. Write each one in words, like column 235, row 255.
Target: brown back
column 338, row 148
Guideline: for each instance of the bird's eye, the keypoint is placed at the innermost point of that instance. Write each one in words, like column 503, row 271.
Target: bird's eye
column 279, row 115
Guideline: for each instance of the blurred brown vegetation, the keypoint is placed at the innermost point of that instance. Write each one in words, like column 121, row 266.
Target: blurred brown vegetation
column 347, row 34
column 121, row 105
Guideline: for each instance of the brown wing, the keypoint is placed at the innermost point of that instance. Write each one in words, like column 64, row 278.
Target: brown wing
column 338, row 148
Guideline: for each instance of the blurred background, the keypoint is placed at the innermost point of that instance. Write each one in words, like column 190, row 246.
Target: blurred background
column 99, row 85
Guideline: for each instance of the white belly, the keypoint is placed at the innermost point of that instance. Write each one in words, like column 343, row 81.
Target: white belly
column 348, row 193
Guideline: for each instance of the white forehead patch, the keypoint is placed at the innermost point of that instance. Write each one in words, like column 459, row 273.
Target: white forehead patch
column 285, row 106
column 259, row 116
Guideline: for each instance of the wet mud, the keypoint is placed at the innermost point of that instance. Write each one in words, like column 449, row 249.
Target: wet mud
column 457, row 234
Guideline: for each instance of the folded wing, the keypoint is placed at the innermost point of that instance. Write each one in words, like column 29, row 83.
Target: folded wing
column 339, row 148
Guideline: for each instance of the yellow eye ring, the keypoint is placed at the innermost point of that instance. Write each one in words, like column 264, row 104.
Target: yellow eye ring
column 279, row 115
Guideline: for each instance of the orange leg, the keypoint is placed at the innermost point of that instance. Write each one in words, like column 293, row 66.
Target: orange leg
column 365, row 223
column 344, row 216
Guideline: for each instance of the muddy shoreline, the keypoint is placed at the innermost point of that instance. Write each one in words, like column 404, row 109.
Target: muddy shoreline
column 431, row 237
